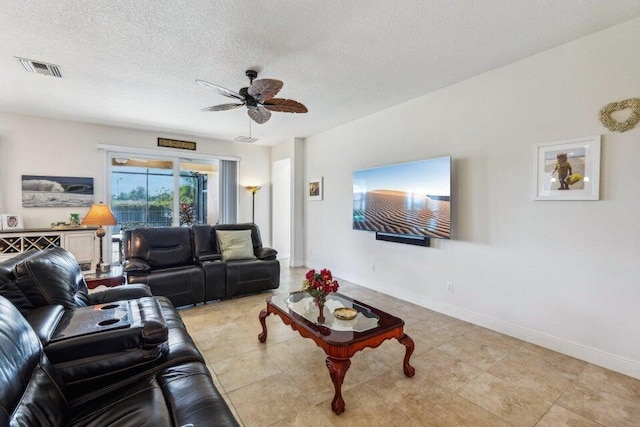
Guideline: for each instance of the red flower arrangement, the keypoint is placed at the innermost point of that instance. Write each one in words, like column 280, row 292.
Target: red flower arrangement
column 318, row 285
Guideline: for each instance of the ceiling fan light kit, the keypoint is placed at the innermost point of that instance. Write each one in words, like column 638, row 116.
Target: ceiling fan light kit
column 258, row 97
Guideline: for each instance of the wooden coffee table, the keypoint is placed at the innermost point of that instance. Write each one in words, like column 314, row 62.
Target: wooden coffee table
column 340, row 339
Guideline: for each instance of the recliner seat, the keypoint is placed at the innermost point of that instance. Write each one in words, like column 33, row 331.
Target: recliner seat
column 186, row 265
column 162, row 258
column 33, row 394
column 47, row 286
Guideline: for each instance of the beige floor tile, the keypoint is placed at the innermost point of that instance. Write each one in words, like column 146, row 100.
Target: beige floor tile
column 363, row 407
column 611, row 382
column 444, row 370
column 428, row 334
column 311, row 416
column 246, row 369
column 314, row 382
column 571, row 367
column 267, row 401
column 493, row 338
column 558, row 416
column 600, row 406
column 411, row 395
column 277, row 330
column 364, row 365
column 475, row 353
column 535, row 375
column 227, row 346
column 285, row 381
column 456, row 411
column 516, row 405
column 291, row 353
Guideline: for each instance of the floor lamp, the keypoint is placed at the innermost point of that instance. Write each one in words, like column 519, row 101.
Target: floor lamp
column 99, row 214
column 253, row 189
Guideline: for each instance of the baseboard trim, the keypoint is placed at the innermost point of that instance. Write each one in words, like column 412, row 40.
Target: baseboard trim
column 579, row 351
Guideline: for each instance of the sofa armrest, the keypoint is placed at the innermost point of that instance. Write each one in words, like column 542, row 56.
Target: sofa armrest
column 208, row 256
column 266, row 253
column 44, row 321
column 120, row 293
column 136, row 265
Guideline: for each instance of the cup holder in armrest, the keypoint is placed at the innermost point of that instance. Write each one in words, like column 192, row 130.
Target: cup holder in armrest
column 93, row 320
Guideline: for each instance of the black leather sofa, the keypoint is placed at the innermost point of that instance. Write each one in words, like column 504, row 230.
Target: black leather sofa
column 186, row 264
column 146, row 371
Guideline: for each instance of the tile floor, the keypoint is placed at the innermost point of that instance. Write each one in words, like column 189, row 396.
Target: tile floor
column 465, row 375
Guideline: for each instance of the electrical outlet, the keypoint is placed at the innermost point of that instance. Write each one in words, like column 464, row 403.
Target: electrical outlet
column 450, row 287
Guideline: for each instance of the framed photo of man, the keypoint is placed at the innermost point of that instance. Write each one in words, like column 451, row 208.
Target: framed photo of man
column 12, row 222
column 568, row 169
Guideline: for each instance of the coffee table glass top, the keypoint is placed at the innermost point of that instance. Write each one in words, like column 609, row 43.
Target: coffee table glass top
column 301, row 307
column 304, row 305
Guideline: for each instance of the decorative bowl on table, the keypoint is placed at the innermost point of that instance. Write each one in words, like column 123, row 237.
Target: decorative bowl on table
column 345, row 313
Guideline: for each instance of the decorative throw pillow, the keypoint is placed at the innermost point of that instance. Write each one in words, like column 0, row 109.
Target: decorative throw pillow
column 235, row 244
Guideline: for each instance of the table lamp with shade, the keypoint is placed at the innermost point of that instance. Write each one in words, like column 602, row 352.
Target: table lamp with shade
column 99, row 214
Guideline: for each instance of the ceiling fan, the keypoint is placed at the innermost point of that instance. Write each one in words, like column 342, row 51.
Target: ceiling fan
column 258, row 97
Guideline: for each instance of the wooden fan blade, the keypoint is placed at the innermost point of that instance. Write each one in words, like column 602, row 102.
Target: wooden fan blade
column 259, row 114
column 222, row 107
column 265, row 89
column 285, row 105
column 221, row 90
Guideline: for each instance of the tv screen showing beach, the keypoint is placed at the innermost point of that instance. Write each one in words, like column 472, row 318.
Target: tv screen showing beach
column 410, row 199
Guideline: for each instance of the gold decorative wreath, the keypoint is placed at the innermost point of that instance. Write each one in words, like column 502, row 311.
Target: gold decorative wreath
column 616, row 126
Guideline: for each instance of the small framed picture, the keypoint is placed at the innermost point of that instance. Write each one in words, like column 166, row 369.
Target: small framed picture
column 315, row 189
column 568, row 169
column 12, row 222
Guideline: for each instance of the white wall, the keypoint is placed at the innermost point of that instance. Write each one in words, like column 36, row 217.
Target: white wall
column 36, row 146
column 293, row 149
column 281, row 197
column 562, row 274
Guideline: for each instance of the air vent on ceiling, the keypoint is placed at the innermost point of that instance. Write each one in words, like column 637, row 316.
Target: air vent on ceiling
column 40, row 67
column 246, row 139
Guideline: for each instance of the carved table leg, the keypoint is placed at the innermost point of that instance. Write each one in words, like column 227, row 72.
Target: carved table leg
column 263, row 315
column 337, row 370
column 407, row 342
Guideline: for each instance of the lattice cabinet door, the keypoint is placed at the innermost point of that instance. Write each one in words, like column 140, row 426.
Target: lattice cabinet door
column 10, row 245
column 41, row 242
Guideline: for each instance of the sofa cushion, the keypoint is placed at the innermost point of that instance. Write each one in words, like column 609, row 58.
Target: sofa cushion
column 179, row 395
column 182, row 285
column 51, row 277
column 161, row 247
column 235, row 245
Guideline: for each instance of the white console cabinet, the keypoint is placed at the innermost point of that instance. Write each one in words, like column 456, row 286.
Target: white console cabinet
column 80, row 241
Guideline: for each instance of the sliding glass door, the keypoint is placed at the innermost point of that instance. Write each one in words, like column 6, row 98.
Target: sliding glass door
column 142, row 192
column 148, row 192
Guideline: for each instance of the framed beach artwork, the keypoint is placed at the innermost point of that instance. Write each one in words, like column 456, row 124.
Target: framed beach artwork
column 56, row 191
column 12, row 222
column 314, row 189
column 568, row 169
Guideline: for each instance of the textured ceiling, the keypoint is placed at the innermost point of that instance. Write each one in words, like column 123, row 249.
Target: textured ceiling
column 134, row 63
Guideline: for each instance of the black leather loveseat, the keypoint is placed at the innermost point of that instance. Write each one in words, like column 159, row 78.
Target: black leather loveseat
column 64, row 359
column 190, row 265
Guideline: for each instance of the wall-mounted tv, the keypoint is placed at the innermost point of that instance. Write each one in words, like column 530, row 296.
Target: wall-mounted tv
column 406, row 199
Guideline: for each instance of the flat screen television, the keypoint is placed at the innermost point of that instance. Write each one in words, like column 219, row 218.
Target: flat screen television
column 405, row 199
